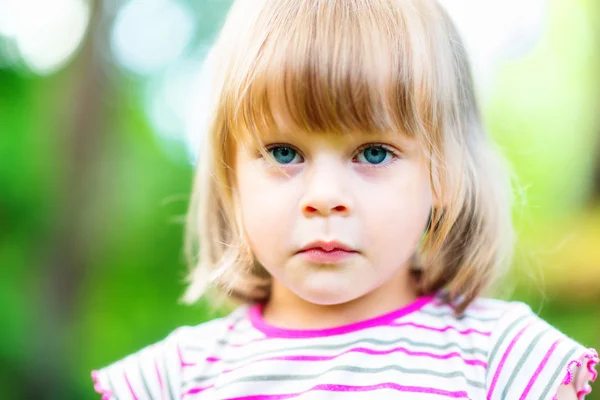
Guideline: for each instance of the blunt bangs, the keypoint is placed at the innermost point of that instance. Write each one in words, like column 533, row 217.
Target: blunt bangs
column 326, row 67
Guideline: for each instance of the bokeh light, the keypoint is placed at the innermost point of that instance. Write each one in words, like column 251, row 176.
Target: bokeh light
column 495, row 31
column 149, row 35
column 46, row 33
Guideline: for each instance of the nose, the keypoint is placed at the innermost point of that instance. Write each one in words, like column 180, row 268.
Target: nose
column 326, row 192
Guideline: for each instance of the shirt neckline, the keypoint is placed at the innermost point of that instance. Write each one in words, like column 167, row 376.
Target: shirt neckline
column 257, row 321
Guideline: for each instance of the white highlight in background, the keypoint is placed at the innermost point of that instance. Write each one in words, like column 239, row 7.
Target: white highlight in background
column 46, row 33
column 149, row 35
column 495, row 31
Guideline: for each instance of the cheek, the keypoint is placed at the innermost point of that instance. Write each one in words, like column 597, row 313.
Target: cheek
column 397, row 214
column 267, row 213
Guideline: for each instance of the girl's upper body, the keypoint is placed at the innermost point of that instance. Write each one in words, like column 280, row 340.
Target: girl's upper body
column 495, row 350
column 345, row 177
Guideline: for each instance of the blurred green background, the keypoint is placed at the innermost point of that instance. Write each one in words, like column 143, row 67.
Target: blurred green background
column 100, row 113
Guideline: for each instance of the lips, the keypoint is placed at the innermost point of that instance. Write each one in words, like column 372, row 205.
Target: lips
column 331, row 253
column 327, row 247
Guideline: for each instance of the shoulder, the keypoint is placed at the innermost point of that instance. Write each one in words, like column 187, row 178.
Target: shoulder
column 156, row 370
column 476, row 324
column 526, row 358
column 529, row 358
column 486, row 311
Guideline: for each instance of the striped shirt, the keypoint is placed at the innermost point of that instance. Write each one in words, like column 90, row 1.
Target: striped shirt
column 495, row 350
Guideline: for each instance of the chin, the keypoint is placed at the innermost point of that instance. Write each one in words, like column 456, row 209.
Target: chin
column 326, row 295
column 325, row 300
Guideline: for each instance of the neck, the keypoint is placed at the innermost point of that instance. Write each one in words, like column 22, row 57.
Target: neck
column 285, row 309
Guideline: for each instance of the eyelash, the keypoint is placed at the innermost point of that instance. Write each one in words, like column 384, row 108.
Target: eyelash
column 394, row 153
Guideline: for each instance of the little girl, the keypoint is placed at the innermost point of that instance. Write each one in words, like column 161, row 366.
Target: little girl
column 348, row 196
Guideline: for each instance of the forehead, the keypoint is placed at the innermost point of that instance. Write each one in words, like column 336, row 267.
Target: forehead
column 357, row 72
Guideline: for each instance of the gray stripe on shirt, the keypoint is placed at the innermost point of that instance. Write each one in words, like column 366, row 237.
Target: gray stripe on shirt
column 337, row 346
column 503, row 337
column 348, row 368
column 521, row 362
column 563, row 364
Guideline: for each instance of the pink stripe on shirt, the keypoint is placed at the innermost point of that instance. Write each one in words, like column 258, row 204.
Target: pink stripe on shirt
column 503, row 360
column 370, row 352
column 182, row 362
column 539, row 369
column 129, row 386
column 349, row 388
column 160, row 382
column 442, row 329
column 255, row 316
column 196, row 390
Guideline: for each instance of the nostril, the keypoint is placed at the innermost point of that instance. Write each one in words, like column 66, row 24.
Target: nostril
column 337, row 208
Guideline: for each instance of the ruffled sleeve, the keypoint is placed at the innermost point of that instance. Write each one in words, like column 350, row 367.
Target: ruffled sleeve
column 585, row 367
column 151, row 373
column 529, row 359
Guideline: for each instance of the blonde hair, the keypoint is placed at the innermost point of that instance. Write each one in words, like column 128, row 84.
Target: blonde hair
column 340, row 67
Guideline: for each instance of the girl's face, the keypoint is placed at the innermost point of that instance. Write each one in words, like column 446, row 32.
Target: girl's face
column 367, row 192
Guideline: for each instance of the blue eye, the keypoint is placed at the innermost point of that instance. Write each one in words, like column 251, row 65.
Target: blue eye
column 374, row 154
column 283, row 154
